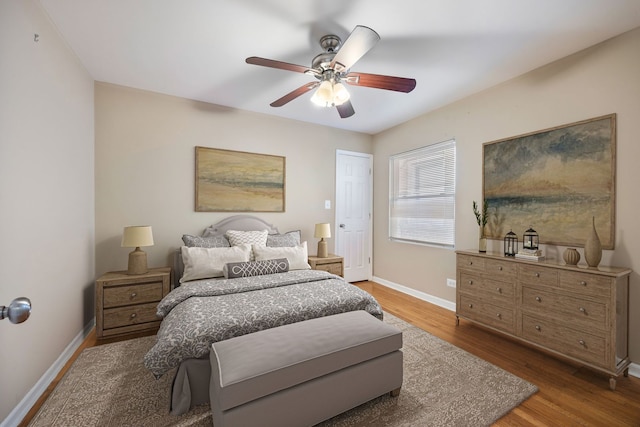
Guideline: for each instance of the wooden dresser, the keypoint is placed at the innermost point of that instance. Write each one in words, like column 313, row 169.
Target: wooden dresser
column 578, row 313
column 128, row 303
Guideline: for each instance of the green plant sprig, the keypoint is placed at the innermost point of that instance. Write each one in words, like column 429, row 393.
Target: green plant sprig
column 481, row 219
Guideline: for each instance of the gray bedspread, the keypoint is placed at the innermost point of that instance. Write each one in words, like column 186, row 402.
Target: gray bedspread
column 202, row 312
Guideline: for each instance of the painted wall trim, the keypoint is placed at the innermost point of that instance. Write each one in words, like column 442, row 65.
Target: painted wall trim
column 418, row 294
column 18, row 413
column 634, row 368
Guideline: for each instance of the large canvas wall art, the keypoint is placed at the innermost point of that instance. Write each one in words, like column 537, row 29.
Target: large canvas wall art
column 555, row 181
column 236, row 181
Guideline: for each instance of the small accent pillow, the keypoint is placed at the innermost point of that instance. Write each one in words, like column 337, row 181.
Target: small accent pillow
column 206, row 263
column 291, row 238
column 296, row 255
column 233, row 270
column 205, row 242
column 251, row 238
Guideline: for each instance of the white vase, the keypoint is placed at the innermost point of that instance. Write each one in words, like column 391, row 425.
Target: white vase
column 482, row 241
column 592, row 246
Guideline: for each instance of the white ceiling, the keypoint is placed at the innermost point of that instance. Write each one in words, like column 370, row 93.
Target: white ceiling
column 196, row 49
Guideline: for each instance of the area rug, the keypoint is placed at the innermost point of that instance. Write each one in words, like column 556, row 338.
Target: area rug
column 443, row 386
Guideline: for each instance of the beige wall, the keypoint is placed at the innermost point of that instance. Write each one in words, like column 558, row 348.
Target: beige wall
column 46, row 198
column 145, row 156
column 601, row 80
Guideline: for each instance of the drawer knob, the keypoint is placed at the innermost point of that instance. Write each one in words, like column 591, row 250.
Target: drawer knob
column 583, row 283
column 537, row 274
column 500, row 268
column 470, row 262
column 470, row 305
column 499, row 290
column 499, row 315
column 471, row 282
column 538, row 299
column 538, row 327
column 133, row 294
column 582, row 343
column 582, row 310
column 133, row 315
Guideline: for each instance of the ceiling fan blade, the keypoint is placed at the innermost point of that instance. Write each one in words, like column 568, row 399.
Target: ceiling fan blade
column 359, row 42
column 294, row 94
column 399, row 84
column 346, row 109
column 255, row 60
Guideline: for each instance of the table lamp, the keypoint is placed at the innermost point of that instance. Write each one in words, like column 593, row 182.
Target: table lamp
column 322, row 231
column 135, row 237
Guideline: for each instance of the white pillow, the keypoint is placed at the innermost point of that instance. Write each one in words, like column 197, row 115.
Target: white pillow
column 296, row 255
column 205, row 263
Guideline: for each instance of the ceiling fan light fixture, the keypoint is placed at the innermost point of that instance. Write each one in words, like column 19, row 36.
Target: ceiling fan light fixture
column 330, row 94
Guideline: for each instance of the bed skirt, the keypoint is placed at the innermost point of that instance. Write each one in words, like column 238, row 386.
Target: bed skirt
column 190, row 385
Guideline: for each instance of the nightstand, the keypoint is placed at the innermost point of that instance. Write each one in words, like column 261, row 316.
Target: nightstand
column 333, row 264
column 128, row 303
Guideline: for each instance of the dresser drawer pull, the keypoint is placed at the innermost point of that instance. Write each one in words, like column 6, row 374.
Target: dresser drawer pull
column 582, row 310
column 470, row 262
column 582, row 343
column 470, row 305
column 471, row 282
column 583, row 283
column 499, row 290
column 538, row 299
column 499, row 316
column 536, row 274
column 133, row 315
column 538, row 327
column 500, row 268
column 133, row 294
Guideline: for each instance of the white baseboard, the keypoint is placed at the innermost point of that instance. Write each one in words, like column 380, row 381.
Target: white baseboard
column 18, row 413
column 634, row 368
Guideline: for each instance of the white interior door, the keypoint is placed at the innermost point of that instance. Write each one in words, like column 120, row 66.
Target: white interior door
column 354, row 184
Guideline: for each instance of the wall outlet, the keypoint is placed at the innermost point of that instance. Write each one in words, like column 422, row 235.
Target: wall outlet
column 327, row 204
column 451, row 283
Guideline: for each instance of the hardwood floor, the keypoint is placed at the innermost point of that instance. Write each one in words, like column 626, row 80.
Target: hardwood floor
column 568, row 395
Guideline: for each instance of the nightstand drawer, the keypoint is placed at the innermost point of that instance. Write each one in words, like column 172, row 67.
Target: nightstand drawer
column 130, row 315
column 137, row 294
column 334, row 268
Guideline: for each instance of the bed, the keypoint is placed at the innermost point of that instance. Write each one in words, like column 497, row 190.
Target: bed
column 262, row 284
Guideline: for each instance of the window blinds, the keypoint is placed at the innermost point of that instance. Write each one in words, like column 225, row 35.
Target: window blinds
column 422, row 194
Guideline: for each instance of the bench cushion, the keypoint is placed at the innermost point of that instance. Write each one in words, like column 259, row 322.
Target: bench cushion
column 255, row 365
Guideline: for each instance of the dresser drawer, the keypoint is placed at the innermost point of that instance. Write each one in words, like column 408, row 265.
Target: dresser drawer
column 568, row 310
column 536, row 275
column 502, row 270
column 588, row 347
column 118, row 296
column 497, row 316
column 585, row 283
column 130, row 315
column 487, row 288
column 470, row 263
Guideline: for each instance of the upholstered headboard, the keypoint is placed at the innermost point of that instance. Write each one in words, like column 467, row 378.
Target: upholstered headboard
column 235, row 222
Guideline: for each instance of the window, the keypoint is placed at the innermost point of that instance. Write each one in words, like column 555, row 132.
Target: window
column 422, row 192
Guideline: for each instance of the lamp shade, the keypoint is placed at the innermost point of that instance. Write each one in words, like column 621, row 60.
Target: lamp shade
column 137, row 236
column 322, row 230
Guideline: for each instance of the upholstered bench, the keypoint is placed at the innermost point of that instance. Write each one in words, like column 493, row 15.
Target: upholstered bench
column 303, row 373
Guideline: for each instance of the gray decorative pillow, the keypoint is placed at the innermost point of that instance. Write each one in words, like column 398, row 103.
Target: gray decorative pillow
column 205, row 242
column 234, row 270
column 291, row 238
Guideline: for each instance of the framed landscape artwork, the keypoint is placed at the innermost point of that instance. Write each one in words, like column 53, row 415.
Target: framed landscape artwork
column 236, row 181
column 555, row 181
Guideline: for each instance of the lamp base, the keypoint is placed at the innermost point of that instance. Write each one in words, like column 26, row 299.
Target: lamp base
column 322, row 249
column 137, row 262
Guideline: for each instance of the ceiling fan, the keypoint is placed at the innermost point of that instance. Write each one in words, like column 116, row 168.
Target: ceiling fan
column 332, row 67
